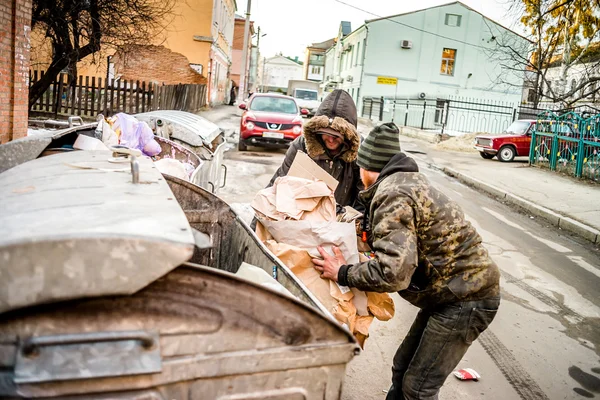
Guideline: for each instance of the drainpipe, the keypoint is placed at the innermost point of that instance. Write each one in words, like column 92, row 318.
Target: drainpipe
column 362, row 69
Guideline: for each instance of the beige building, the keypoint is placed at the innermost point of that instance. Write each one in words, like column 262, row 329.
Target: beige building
column 314, row 60
column 195, row 48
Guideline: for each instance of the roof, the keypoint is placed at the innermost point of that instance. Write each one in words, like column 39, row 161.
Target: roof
column 322, row 45
column 284, row 58
column 346, row 28
column 445, row 5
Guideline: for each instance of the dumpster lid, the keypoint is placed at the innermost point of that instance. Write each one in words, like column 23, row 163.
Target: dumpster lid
column 187, row 127
column 74, row 225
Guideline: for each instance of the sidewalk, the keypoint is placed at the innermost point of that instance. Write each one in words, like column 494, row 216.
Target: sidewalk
column 565, row 202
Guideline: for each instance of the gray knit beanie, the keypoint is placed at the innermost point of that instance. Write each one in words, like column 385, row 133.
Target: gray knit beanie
column 379, row 147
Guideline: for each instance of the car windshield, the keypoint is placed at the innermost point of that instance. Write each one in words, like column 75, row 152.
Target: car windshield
column 518, row 128
column 306, row 94
column 274, row 104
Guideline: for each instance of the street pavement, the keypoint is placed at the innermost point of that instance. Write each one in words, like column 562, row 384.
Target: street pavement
column 545, row 340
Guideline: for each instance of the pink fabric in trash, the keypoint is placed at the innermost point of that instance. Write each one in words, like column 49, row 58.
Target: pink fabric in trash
column 136, row 134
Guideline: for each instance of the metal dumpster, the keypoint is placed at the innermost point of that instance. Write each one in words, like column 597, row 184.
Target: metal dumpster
column 199, row 135
column 194, row 139
column 115, row 290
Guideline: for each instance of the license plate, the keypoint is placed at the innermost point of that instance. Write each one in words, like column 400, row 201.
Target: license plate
column 274, row 135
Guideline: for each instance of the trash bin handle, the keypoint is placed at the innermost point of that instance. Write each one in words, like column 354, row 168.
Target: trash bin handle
column 31, row 345
column 135, row 165
column 73, row 119
column 224, row 176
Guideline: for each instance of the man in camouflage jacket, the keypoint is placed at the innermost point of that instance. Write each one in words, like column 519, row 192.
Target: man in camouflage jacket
column 427, row 252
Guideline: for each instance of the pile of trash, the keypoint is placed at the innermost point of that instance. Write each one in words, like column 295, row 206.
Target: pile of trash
column 125, row 130
column 295, row 216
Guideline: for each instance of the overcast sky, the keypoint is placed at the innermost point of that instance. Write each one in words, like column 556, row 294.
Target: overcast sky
column 290, row 25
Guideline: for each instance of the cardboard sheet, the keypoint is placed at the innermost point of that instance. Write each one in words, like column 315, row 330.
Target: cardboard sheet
column 295, row 198
column 304, row 167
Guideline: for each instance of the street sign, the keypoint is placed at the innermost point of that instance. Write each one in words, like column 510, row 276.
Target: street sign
column 386, row 80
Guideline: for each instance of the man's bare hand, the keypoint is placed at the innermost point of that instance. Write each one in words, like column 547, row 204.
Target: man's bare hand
column 329, row 265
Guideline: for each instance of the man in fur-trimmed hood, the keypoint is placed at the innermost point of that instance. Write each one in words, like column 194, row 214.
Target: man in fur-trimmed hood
column 331, row 140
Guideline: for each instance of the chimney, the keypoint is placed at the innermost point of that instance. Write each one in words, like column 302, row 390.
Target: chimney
column 296, row 58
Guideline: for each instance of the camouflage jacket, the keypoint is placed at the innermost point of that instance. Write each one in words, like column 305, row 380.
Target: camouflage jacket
column 424, row 248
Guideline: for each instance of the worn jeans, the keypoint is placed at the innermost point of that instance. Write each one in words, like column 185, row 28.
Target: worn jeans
column 438, row 339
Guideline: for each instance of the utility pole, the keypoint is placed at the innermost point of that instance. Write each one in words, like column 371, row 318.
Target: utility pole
column 262, row 81
column 242, row 88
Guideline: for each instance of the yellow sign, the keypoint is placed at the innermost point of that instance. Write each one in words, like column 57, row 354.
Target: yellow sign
column 386, row 80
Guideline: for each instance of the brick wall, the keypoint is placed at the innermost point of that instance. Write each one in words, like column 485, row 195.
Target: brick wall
column 156, row 64
column 238, row 34
column 15, row 20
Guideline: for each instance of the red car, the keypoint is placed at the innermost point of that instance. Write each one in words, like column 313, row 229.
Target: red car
column 514, row 141
column 270, row 120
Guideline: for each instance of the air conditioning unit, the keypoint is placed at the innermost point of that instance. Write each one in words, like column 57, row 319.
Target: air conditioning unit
column 406, row 44
column 422, row 95
column 349, row 78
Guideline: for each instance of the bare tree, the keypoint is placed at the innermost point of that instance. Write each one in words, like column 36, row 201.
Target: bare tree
column 79, row 28
column 561, row 61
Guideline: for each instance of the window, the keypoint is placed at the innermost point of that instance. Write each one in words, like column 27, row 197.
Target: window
column 448, row 58
column 357, row 53
column 315, row 70
column 453, row 19
column 364, row 48
column 349, row 58
column 531, row 95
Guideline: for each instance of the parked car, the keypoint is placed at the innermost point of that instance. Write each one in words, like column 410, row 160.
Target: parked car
column 514, row 141
column 270, row 120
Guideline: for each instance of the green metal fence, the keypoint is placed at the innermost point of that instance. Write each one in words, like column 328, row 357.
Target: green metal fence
column 567, row 143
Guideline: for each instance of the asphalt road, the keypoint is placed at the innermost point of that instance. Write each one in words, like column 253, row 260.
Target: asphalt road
column 545, row 340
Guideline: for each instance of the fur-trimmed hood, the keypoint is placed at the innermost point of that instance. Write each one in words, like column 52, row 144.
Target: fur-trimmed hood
column 338, row 112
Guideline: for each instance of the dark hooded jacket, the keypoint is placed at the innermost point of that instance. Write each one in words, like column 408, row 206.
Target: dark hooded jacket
column 337, row 111
column 424, row 248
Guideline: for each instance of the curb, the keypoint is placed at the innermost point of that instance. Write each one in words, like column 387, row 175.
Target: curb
column 556, row 219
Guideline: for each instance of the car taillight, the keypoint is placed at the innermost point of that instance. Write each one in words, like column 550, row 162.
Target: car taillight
column 297, row 129
column 250, row 125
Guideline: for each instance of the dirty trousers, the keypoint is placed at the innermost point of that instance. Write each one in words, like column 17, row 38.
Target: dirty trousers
column 436, row 342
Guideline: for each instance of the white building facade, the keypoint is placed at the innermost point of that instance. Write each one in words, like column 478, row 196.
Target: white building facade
column 433, row 54
column 278, row 71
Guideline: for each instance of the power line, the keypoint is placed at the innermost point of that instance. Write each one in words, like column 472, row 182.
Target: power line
column 409, row 26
